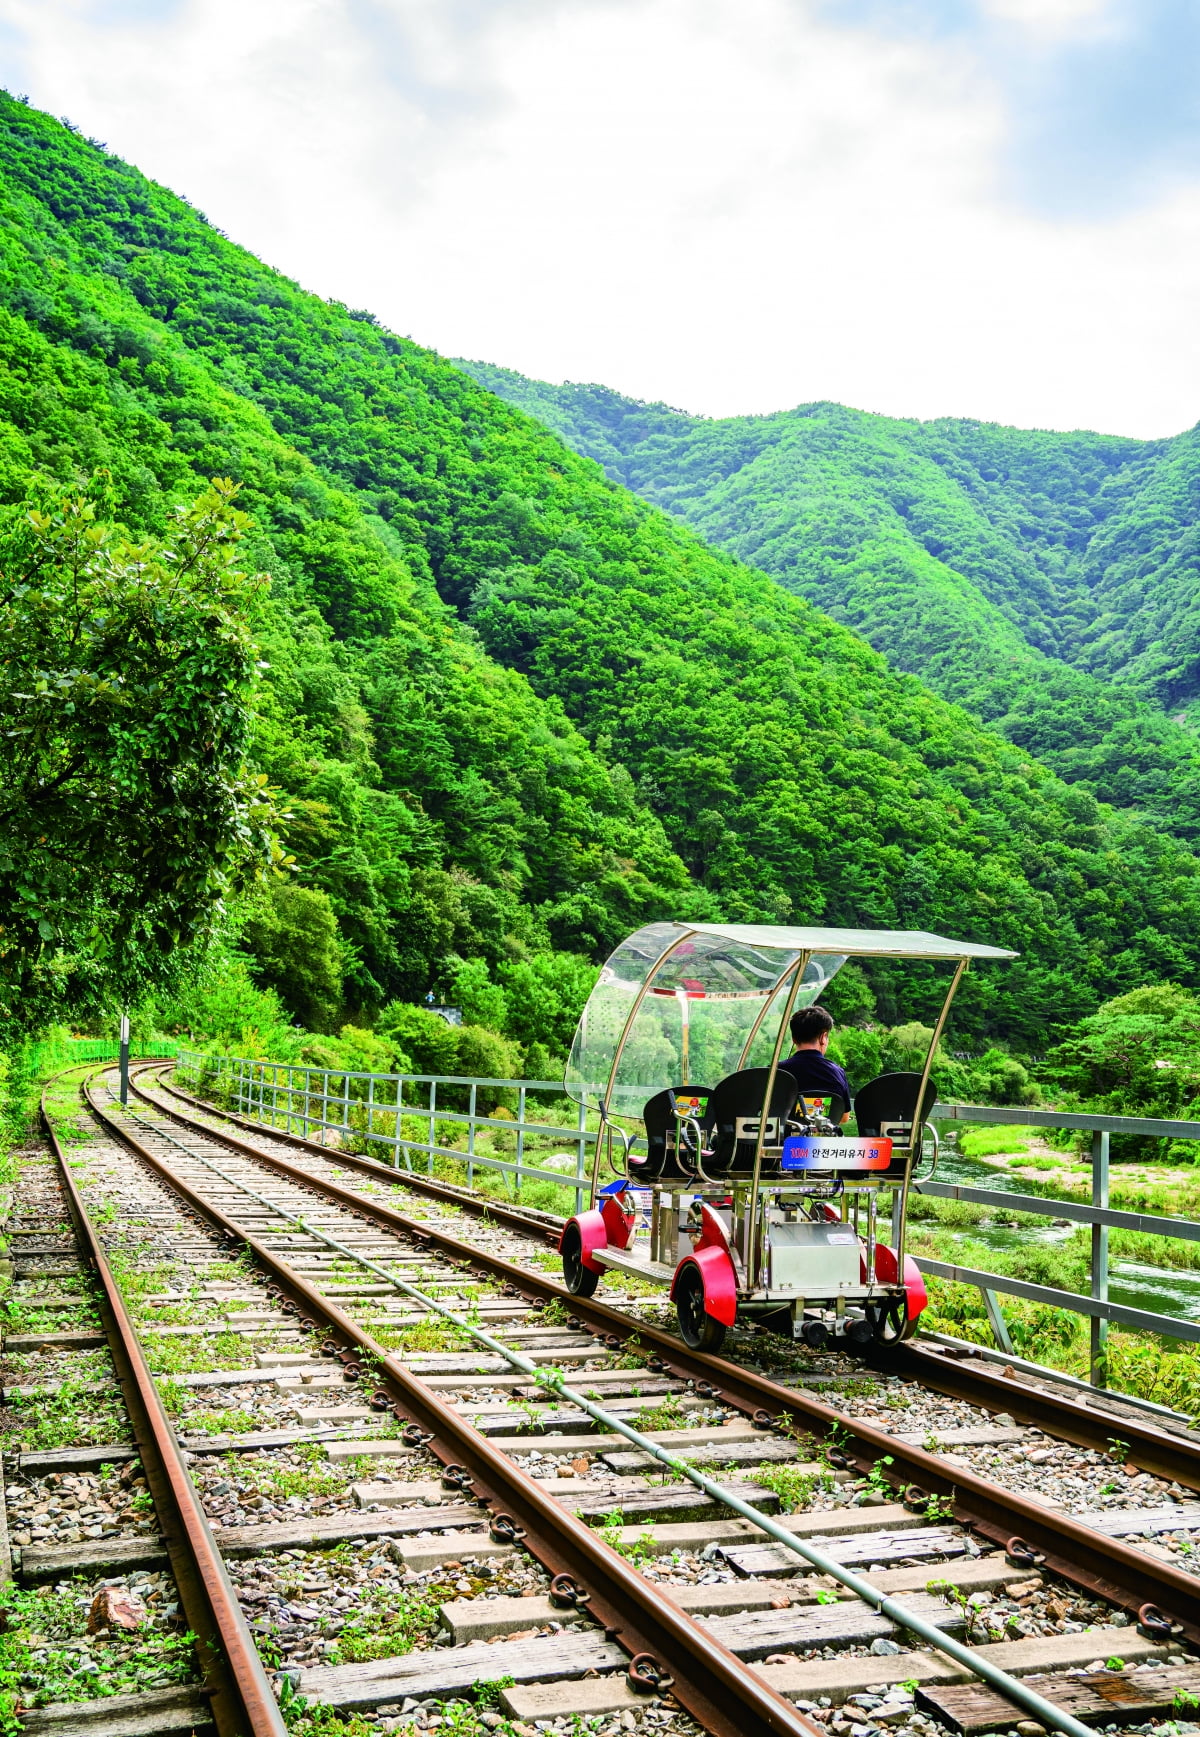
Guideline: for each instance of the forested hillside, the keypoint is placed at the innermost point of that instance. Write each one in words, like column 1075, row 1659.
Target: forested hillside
column 1050, row 583
column 514, row 710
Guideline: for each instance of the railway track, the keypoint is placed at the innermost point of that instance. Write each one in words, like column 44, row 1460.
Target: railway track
column 451, row 1505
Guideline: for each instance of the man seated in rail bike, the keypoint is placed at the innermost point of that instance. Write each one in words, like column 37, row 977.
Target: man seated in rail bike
column 817, row 1076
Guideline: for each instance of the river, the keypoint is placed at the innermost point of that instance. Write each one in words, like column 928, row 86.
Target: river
column 1160, row 1290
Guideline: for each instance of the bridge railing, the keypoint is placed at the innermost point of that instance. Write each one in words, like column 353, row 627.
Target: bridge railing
column 381, row 1109
column 1099, row 1214
column 377, row 1107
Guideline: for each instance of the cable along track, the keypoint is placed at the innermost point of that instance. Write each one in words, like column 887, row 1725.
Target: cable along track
column 428, row 1235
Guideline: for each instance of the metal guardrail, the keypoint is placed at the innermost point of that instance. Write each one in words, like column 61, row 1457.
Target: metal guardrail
column 66, row 1052
column 375, row 1107
column 362, row 1104
column 1099, row 1214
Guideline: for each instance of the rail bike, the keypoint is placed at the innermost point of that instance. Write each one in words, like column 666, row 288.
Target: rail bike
column 727, row 1184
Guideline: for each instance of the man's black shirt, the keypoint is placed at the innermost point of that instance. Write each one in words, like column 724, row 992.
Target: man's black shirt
column 818, row 1077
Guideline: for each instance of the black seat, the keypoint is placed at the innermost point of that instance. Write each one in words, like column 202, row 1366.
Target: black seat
column 661, row 1115
column 886, row 1104
column 734, row 1110
column 829, row 1106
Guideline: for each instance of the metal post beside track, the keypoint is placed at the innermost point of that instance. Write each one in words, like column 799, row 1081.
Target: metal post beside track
column 581, row 1160
column 1101, row 1141
column 473, row 1110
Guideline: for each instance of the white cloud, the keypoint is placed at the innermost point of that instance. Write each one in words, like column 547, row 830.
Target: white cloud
column 1053, row 18
column 734, row 205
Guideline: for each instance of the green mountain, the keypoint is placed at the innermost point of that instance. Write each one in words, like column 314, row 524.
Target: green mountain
column 1048, row 582
column 514, row 708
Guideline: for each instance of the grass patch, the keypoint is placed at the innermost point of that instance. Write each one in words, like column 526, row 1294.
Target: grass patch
column 231, row 1422
column 23, row 1316
column 990, row 1141
column 393, row 1624
column 138, row 1274
column 436, row 1335
column 65, row 1418
column 667, row 1414
column 227, row 1272
column 311, row 1480
column 46, row 1654
column 187, row 1356
column 181, row 1314
column 794, row 1487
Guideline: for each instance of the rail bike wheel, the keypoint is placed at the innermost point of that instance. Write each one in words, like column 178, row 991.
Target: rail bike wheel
column 890, row 1320
column 581, row 1281
column 700, row 1331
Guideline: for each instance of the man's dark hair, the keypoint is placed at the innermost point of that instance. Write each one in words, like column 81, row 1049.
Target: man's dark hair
column 810, row 1023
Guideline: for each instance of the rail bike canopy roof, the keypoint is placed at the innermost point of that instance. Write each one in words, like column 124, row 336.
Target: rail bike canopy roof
column 708, row 998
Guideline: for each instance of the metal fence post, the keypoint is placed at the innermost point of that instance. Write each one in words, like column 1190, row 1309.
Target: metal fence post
column 430, row 1127
column 581, row 1158
column 370, row 1110
column 1099, row 1328
column 996, row 1320
column 399, row 1129
column 520, row 1135
column 471, row 1111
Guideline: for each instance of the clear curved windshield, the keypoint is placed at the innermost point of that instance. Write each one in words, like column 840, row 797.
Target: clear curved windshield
column 703, row 1005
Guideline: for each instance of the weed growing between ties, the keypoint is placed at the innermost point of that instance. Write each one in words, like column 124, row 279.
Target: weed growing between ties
column 66, row 1416
column 184, row 1314
column 186, row 1356
column 274, row 1479
column 385, row 1624
column 228, row 1272
column 429, row 1335
column 793, row 1485
column 952, row 1594
column 23, row 1315
column 638, row 1550
column 457, row 1718
column 667, row 1414
column 47, row 1655
column 139, row 1274
column 235, row 1421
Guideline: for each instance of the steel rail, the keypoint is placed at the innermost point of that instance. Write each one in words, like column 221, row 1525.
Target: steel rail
column 238, row 1689
column 1105, row 1567
column 1153, row 1449
column 510, row 1217
column 667, row 1647
column 1055, row 1718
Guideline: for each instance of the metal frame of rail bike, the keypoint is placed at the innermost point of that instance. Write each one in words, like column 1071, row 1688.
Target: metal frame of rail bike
column 760, row 1205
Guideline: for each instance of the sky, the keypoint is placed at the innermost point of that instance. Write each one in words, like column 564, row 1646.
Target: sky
column 985, row 208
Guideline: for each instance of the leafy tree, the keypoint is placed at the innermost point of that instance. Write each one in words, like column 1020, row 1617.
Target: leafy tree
column 517, row 712
column 482, row 1002
column 127, row 814
column 425, row 1037
column 292, row 939
column 1137, row 1055
column 545, row 995
column 1005, row 566
column 358, row 1051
